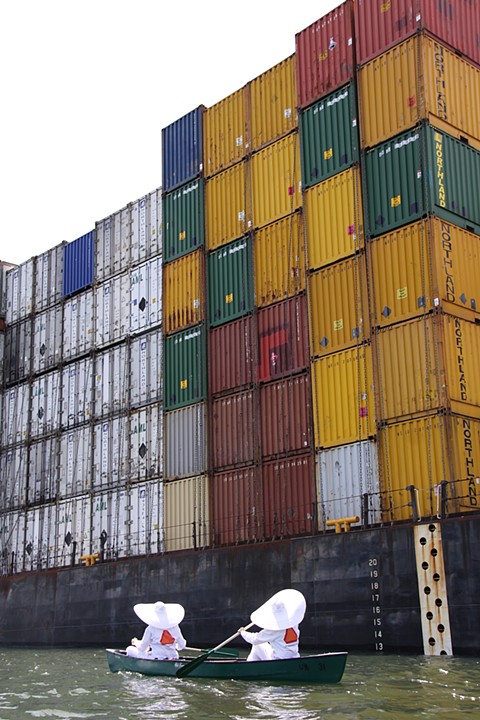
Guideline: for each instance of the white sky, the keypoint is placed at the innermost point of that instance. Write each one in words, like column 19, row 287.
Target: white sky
column 86, row 87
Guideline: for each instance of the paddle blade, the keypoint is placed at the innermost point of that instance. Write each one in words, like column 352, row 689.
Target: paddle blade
column 190, row 666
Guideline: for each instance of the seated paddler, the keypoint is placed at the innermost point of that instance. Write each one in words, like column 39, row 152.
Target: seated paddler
column 162, row 638
column 279, row 619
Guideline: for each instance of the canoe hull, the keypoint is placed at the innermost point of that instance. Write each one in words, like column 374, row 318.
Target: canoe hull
column 324, row 668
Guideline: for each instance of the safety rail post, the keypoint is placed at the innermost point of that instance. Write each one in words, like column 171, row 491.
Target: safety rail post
column 413, row 502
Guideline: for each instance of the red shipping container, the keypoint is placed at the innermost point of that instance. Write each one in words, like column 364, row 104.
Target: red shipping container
column 231, row 362
column 380, row 25
column 233, row 430
column 236, row 506
column 325, row 55
column 282, row 338
column 285, row 416
column 289, row 497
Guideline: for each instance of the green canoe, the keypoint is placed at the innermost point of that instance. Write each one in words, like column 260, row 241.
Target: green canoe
column 321, row 668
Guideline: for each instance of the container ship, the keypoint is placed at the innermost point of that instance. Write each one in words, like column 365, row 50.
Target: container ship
column 264, row 373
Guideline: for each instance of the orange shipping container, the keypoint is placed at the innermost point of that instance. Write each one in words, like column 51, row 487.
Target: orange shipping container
column 225, row 132
column 424, row 452
column 284, row 241
column 338, row 306
column 422, row 266
column 428, row 364
column 276, row 180
column 273, row 100
column 237, row 506
column 420, row 79
column 186, row 513
column 334, row 218
column 183, row 292
column 227, row 205
column 343, row 397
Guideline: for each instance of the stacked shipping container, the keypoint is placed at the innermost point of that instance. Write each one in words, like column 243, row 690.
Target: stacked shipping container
column 300, row 343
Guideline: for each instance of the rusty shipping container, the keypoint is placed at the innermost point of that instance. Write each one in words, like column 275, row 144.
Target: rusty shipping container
column 334, row 218
column 272, row 101
column 225, row 132
column 234, row 437
column 227, row 205
column 422, row 266
column 338, row 306
column 343, row 397
column 429, row 363
column 183, row 292
column 237, row 506
column 285, row 416
column 285, row 241
column 420, row 79
column 325, row 55
column 289, row 497
column 380, row 25
column 184, row 220
column 276, row 181
column 282, row 339
column 231, row 355
column 424, row 453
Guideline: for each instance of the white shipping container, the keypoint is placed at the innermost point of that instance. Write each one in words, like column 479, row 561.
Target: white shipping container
column 146, row 296
column 146, row 516
column 78, row 325
column 146, row 376
column 47, row 339
column 18, row 351
column 344, row 474
column 110, row 453
column 12, row 541
column 146, row 218
column 46, row 404
column 111, row 386
column 43, row 471
column 75, row 461
column 73, row 530
column 112, row 244
column 41, row 537
column 2, row 350
column 49, row 277
column 5, row 267
column 110, row 523
column 13, row 473
column 15, row 406
column 20, row 284
column 77, row 393
column 146, row 443
column 112, row 310
column 185, row 438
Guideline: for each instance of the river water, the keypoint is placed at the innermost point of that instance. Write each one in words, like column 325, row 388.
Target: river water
column 65, row 683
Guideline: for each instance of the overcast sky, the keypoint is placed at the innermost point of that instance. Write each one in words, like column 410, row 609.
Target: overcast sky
column 87, row 86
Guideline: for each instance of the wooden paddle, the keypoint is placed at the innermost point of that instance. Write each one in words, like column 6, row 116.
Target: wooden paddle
column 187, row 669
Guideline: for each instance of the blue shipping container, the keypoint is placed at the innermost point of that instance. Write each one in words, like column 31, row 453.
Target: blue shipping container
column 182, row 150
column 78, row 264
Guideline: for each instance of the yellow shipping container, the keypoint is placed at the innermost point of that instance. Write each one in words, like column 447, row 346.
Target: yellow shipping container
column 186, row 507
column 338, row 306
column 427, row 364
column 276, row 180
column 334, row 218
column 273, row 100
column 419, row 79
column 227, row 207
column 343, row 397
column 183, row 292
column 424, row 452
column 284, row 241
column 425, row 265
column 225, row 132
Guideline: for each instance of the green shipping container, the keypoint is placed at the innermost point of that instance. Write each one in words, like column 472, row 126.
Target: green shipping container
column 419, row 172
column 329, row 136
column 185, row 368
column 230, row 282
column 183, row 220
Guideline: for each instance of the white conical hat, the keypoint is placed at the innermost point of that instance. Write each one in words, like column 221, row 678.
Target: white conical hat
column 284, row 609
column 160, row 615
